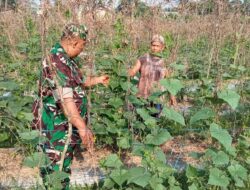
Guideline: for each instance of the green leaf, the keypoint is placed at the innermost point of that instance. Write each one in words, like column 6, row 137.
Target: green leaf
column 195, row 155
column 172, row 85
column 155, row 95
column 4, row 136
column 126, row 85
column 248, row 161
column 113, row 161
column 148, row 119
column 134, row 90
column 159, row 187
column 8, row 85
column 151, row 122
column 156, row 183
column 58, row 175
column 112, row 129
column 120, row 58
column 116, row 102
column 231, row 97
column 26, row 100
column 192, row 187
column 142, row 180
column 108, row 183
column 173, row 115
column 119, row 176
column 122, row 72
column 3, row 104
column 123, row 142
column 157, row 139
column 138, row 148
column 106, row 62
column 23, row 47
column 31, row 135
column 120, row 122
column 39, row 140
column 221, row 135
column 38, row 159
column 203, row 114
column 100, row 129
column 135, row 172
column 218, row 178
column 239, row 173
column 54, row 180
column 174, row 185
column 28, row 116
column 210, row 153
column 221, row 158
column 180, row 67
column 14, row 107
column 159, row 154
column 138, row 176
column 135, row 101
column 143, row 113
column 114, row 83
column 191, row 172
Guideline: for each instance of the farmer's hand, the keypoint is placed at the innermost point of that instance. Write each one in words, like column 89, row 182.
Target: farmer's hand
column 87, row 138
column 104, row 79
column 173, row 101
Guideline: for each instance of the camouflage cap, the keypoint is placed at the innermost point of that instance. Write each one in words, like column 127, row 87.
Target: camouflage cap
column 75, row 30
column 158, row 38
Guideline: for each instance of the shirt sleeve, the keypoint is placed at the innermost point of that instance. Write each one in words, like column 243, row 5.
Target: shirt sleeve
column 66, row 72
column 62, row 93
column 143, row 59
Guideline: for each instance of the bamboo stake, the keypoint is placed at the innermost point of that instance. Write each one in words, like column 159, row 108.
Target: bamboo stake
column 6, row 5
column 43, row 43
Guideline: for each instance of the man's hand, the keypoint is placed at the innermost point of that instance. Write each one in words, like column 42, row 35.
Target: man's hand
column 87, row 138
column 91, row 81
column 173, row 101
column 135, row 69
column 104, row 79
column 168, row 73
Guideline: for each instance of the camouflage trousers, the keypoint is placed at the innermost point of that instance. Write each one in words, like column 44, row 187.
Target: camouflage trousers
column 54, row 151
column 53, row 124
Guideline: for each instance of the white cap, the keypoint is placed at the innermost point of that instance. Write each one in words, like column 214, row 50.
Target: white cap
column 158, row 38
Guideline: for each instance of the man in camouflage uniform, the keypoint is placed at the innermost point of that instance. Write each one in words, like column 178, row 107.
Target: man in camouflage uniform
column 62, row 101
column 152, row 69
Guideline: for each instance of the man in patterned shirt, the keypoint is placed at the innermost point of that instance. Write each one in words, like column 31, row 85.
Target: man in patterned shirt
column 62, row 102
column 152, row 69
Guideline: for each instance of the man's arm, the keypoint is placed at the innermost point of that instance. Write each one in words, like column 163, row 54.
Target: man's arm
column 71, row 111
column 168, row 73
column 91, row 81
column 135, row 69
column 173, row 100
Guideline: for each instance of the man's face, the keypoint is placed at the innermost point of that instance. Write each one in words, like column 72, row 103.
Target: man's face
column 157, row 47
column 76, row 47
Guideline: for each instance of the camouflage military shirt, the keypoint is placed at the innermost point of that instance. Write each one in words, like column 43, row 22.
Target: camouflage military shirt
column 52, row 121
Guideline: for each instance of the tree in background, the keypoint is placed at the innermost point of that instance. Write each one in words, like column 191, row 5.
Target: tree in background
column 7, row 5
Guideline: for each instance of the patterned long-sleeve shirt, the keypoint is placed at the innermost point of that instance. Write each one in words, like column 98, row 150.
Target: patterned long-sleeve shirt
column 152, row 70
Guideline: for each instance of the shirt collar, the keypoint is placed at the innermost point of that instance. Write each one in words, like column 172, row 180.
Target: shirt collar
column 57, row 48
column 160, row 55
